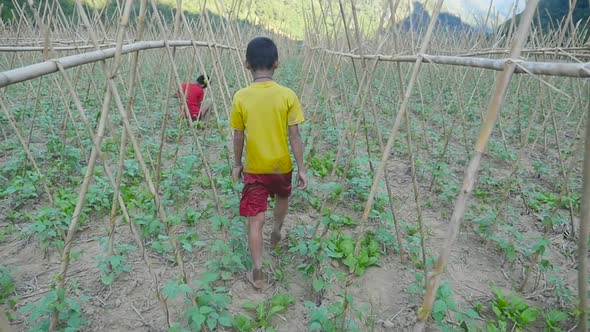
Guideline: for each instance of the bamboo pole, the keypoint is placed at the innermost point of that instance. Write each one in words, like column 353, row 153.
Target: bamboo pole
column 119, row 198
column 28, row 152
column 33, row 71
column 315, row 116
column 377, row 127
column 501, row 86
column 157, row 200
column 385, row 156
column 363, row 66
column 183, row 104
column 122, row 147
column 563, row 170
column 193, row 130
column 499, row 207
column 43, row 29
column 415, row 187
column 564, row 69
column 46, row 48
column 584, row 232
column 568, row 23
column 581, row 70
column 65, row 259
column 547, row 51
column 22, row 49
column 224, row 88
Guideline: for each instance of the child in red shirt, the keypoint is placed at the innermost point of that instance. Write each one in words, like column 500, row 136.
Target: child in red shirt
column 195, row 93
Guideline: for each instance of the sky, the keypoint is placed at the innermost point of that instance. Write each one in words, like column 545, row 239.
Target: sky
column 469, row 9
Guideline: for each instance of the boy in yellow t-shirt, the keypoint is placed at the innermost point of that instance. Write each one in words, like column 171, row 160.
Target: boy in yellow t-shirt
column 263, row 116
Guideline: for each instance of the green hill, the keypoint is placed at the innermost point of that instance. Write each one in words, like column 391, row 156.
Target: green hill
column 283, row 16
column 420, row 18
column 552, row 13
column 69, row 8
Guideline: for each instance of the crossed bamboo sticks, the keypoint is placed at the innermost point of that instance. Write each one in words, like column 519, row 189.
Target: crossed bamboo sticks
column 507, row 66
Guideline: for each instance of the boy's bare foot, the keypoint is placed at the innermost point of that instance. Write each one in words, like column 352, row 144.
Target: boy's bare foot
column 258, row 280
column 274, row 239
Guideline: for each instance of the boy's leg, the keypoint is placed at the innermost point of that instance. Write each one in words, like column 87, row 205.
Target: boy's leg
column 255, row 239
column 280, row 211
column 255, row 243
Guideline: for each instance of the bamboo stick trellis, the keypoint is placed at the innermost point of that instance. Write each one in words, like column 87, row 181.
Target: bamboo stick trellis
column 48, row 67
column 490, row 119
column 581, row 70
column 320, row 60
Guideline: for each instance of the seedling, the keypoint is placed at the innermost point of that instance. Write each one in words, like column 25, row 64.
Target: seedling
column 341, row 246
column 265, row 311
column 210, row 311
column 7, row 288
column 511, row 311
column 69, row 309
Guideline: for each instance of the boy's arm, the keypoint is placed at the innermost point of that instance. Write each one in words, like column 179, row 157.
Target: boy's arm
column 297, row 147
column 238, row 149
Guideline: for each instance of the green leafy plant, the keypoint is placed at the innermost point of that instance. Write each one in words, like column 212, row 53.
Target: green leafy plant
column 335, row 221
column 341, row 246
column 333, row 189
column 69, row 310
column 310, row 250
column 189, row 240
column 553, row 318
column 210, row 311
column 412, row 244
column 511, row 311
column 192, row 216
column 99, row 194
column 322, row 166
column 511, row 251
column 443, row 304
column 537, row 199
column 229, row 260
column 265, row 311
column 7, row 288
column 385, row 235
column 416, row 287
column 541, row 168
column 330, row 318
column 322, row 318
column 561, row 289
column 21, row 188
column 149, row 225
column 46, row 225
column 111, row 267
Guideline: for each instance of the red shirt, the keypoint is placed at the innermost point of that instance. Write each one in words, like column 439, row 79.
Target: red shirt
column 194, row 97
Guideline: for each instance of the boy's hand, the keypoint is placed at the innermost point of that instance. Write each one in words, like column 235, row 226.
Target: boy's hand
column 238, row 173
column 301, row 180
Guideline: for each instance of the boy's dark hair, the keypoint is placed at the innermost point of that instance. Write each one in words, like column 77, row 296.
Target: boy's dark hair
column 261, row 53
column 203, row 81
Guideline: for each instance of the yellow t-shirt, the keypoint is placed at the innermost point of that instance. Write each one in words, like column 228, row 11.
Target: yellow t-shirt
column 264, row 110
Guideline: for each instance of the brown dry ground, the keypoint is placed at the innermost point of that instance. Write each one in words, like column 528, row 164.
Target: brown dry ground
column 130, row 305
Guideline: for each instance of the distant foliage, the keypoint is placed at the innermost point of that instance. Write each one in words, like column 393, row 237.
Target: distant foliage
column 420, row 18
column 552, row 13
column 288, row 16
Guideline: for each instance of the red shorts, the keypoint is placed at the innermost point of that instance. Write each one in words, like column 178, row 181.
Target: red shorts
column 257, row 188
